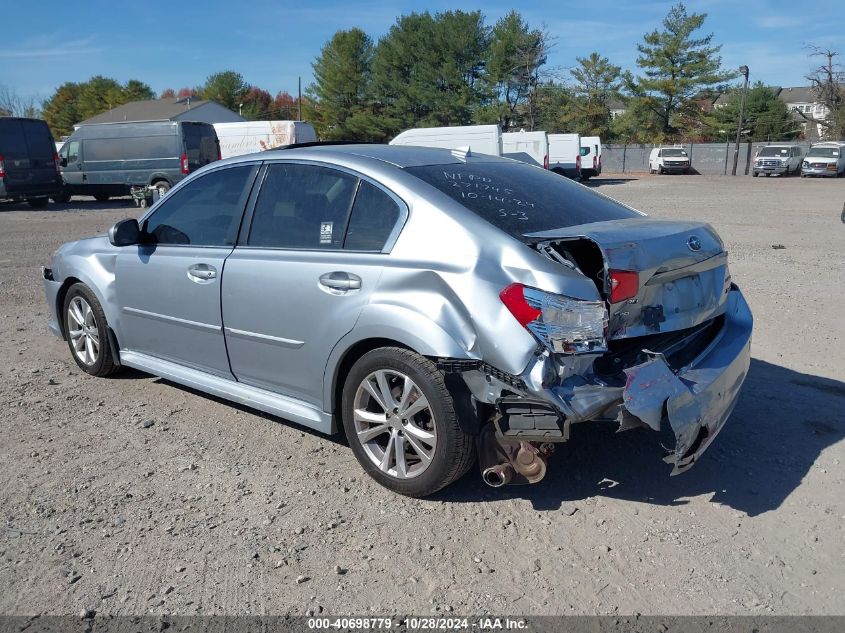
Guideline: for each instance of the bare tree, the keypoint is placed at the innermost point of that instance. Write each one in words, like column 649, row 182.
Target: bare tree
column 828, row 84
column 12, row 104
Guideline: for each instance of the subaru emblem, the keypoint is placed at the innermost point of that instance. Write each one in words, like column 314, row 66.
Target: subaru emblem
column 693, row 243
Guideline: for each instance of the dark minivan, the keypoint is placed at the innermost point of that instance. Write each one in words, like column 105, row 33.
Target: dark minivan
column 28, row 163
column 106, row 159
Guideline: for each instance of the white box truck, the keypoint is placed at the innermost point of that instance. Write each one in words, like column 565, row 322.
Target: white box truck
column 565, row 154
column 590, row 156
column 529, row 147
column 481, row 139
column 247, row 137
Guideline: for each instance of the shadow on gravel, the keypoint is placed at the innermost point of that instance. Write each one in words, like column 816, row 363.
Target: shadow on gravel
column 597, row 182
column 76, row 205
column 783, row 421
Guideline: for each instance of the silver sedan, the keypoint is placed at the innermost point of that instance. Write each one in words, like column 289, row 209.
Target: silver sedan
column 434, row 306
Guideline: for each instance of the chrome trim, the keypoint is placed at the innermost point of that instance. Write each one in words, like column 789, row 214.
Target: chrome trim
column 171, row 319
column 264, row 338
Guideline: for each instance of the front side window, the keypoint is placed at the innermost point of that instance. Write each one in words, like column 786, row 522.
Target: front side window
column 71, row 152
column 302, row 207
column 205, row 211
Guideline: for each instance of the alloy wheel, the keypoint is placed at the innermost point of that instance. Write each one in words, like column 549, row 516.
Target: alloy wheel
column 394, row 423
column 82, row 330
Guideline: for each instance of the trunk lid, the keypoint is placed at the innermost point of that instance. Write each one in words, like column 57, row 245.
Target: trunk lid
column 681, row 266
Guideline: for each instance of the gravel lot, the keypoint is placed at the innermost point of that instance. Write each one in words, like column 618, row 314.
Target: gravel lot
column 132, row 495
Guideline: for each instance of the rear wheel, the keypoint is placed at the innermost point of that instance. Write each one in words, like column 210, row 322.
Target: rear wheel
column 63, row 197
column 401, row 423
column 162, row 185
column 87, row 332
column 37, row 203
column 101, row 197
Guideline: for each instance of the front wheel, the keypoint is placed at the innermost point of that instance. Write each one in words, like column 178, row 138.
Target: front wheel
column 401, row 423
column 37, row 203
column 660, row 169
column 87, row 332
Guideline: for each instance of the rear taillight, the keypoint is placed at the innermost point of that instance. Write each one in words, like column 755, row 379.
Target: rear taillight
column 546, row 161
column 578, row 163
column 599, row 162
column 184, row 163
column 561, row 324
column 2, row 167
column 595, row 164
column 219, row 154
column 56, row 161
column 624, row 284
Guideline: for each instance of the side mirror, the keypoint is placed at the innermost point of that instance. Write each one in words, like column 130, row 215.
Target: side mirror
column 125, row 233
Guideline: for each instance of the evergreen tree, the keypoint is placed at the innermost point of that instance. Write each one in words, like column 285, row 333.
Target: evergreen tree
column 226, row 88
column 338, row 103
column 677, row 66
column 766, row 116
column 596, row 82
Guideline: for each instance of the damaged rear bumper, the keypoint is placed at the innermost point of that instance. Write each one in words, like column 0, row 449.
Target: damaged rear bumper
column 695, row 400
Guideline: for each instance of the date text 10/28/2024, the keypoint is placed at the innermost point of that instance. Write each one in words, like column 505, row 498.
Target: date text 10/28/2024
column 422, row 623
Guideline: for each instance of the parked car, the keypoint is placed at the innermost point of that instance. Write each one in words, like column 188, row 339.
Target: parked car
column 824, row 159
column 668, row 160
column 107, row 159
column 777, row 159
column 565, row 155
column 528, row 147
column 590, row 156
column 28, row 163
column 428, row 303
column 480, row 139
column 247, row 137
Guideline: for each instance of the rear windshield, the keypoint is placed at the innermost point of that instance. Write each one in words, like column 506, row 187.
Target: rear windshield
column 200, row 144
column 674, row 152
column 824, row 152
column 519, row 198
column 22, row 139
column 774, row 151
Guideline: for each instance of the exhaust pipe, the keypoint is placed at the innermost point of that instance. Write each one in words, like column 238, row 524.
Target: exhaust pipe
column 497, row 476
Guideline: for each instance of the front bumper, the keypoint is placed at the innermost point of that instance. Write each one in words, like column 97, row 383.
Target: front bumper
column 675, row 169
column 694, row 400
column 51, row 291
column 760, row 169
column 819, row 171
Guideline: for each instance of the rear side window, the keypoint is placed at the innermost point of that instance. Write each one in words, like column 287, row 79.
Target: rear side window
column 130, row 148
column 303, row 207
column 374, row 216
column 205, row 212
column 519, row 198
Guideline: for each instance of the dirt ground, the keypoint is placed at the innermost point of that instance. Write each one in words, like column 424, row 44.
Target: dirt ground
column 132, row 495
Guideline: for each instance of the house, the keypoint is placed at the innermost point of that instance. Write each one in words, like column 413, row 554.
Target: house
column 802, row 100
column 617, row 107
column 184, row 109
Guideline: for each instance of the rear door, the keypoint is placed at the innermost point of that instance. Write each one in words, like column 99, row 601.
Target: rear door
column 201, row 145
column 28, row 154
column 297, row 282
column 168, row 289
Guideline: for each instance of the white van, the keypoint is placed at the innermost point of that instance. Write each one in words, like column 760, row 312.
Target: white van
column 590, row 156
column 481, row 139
column 528, row 147
column 565, row 154
column 777, row 159
column 825, row 159
column 668, row 160
column 247, row 137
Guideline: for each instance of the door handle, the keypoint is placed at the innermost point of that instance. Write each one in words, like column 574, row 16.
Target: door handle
column 202, row 273
column 340, row 280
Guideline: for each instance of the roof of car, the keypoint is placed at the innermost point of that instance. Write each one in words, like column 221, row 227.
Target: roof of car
column 398, row 155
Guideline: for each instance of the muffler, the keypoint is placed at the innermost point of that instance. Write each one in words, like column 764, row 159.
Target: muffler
column 504, row 461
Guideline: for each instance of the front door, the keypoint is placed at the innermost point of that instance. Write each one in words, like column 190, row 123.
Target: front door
column 296, row 285
column 168, row 289
column 71, row 161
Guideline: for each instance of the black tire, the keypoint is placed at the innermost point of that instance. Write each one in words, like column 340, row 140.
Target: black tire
column 38, row 203
column 454, row 452
column 755, row 174
column 104, row 364
column 660, row 169
column 162, row 185
column 63, row 197
column 101, row 197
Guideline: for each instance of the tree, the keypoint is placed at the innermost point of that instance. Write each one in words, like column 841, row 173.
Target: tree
column 515, row 54
column 338, row 100
column 766, row 116
column 828, row 83
column 426, row 70
column 184, row 93
column 597, row 81
column 167, row 93
column 676, row 67
column 555, row 110
column 285, row 106
column 12, row 104
column 61, row 111
column 226, row 88
column 257, row 104
column 135, row 90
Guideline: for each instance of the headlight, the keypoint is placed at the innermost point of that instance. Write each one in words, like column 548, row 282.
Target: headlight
column 562, row 324
column 805, row 164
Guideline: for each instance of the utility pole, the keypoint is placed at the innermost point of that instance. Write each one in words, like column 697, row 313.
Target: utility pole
column 299, row 99
column 744, row 71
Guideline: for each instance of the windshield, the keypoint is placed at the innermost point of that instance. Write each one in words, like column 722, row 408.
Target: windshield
column 519, row 198
column 774, row 151
column 674, row 152
column 824, row 152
